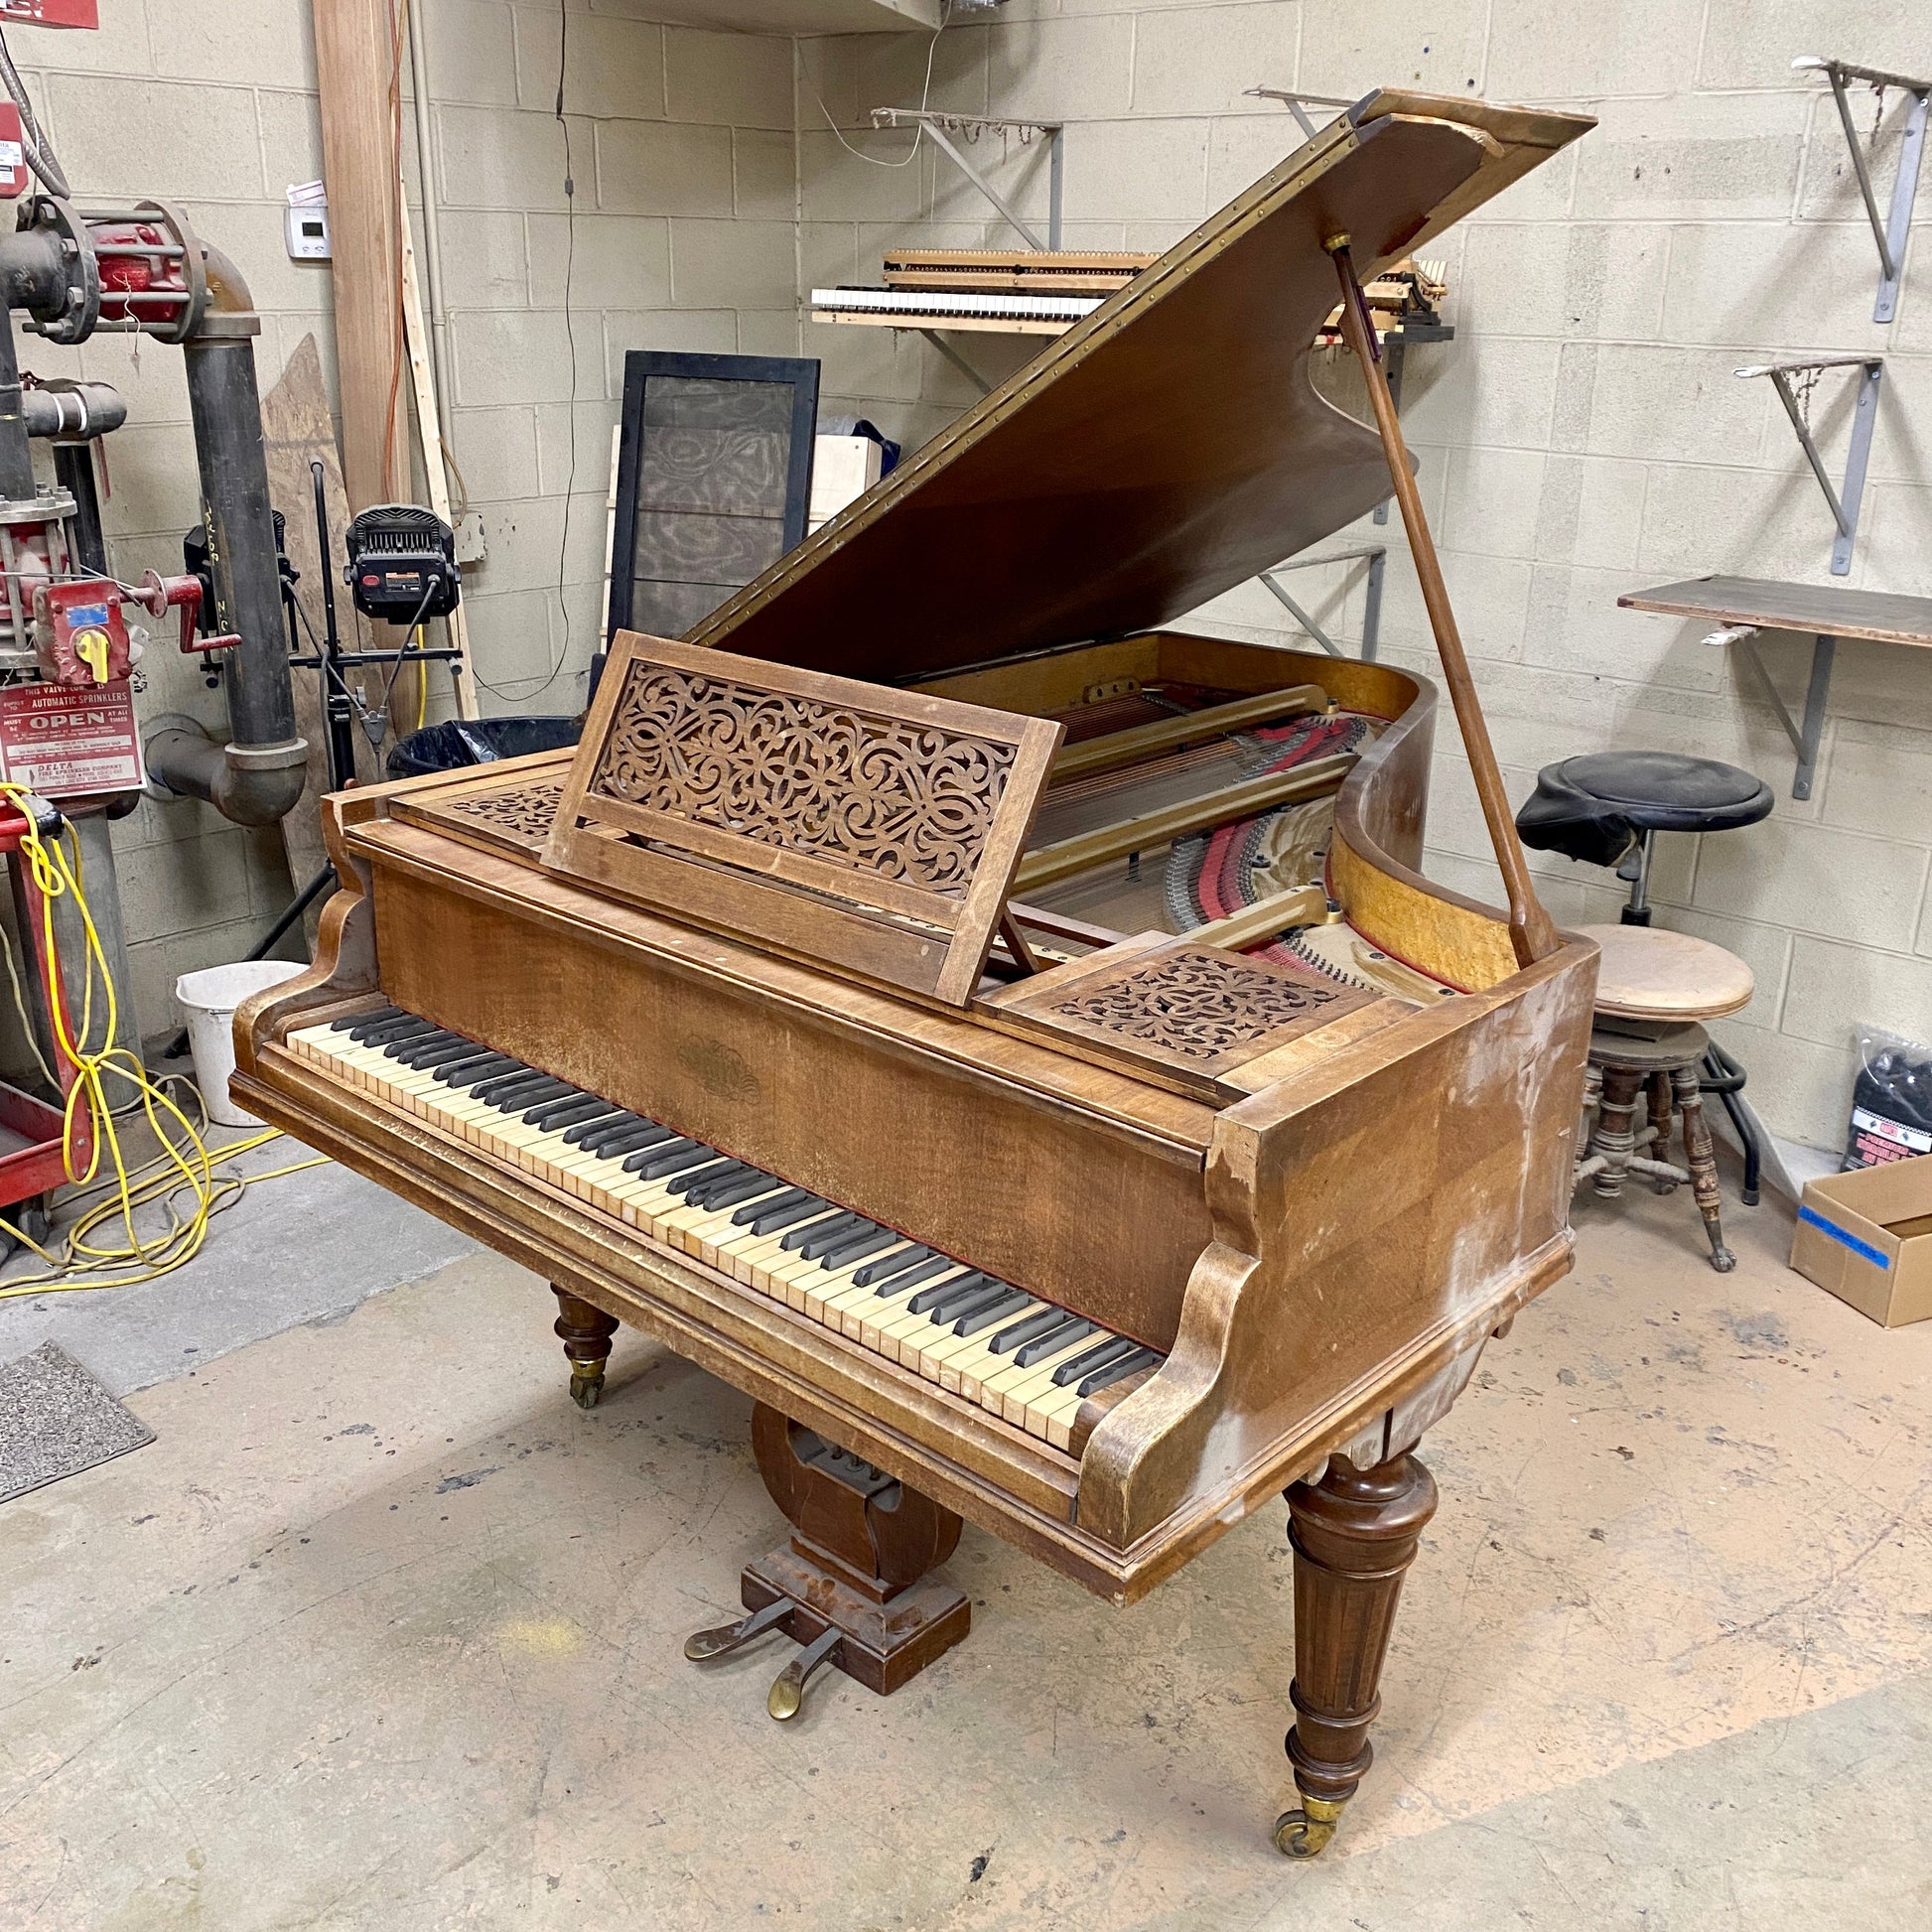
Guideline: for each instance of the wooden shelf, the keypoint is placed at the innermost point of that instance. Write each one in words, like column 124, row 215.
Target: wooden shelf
column 804, row 15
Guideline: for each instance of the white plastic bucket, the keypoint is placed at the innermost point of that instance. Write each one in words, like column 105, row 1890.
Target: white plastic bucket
column 208, row 1002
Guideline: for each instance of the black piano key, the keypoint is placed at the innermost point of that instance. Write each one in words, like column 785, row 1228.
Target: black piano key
column 349, row 1021
column 424, row 1058
column 822, row 1241
column 654, row 1163
column 969, row 1301
column 887, row 1266
column 771, row 1219
column 628, row 1140
column 955, row 1297
column 694, row 1180
column 847, row 1252
column 905, row 1283
column 401, row 1049
column 1031, row 1330
column 751, row 1186
column 394, row 1029
column 843, row 1222
column 528, row 1095
column 1118, row 1371
column 479, row 1068
column 576, row 1106
column 1045, row 1347
column 927, row 1299
column 988, row 1312
column 509, row 1085
column 618, row 1120
column 1115, row 1348
column 771, row 1205
column 365, row 1024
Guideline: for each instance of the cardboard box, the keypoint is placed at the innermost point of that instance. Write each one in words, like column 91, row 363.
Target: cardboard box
column 1867, row 1237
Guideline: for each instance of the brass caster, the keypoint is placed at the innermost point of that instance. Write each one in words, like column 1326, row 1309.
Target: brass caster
column 1302, row 1833
column 787, row 1691
column 586, row 1384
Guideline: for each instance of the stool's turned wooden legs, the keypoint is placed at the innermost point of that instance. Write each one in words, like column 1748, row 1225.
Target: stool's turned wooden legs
column 586, row 1333
column 1660, row 1107
column 1616, row 1130
column 1702, row 1162
column 1355, row 1534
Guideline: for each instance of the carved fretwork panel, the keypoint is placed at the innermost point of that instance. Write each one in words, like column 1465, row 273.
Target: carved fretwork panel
column 853, row 787
column 851, row 824
column 523, row 814
column 508, row 807
column 1199, row 1004
column 1189, row 1016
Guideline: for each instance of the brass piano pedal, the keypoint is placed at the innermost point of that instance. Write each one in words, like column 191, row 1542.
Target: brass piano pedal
column 704, row 1645
column 787, row 1691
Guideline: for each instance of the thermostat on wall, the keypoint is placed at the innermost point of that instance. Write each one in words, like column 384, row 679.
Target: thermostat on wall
column 305, row 222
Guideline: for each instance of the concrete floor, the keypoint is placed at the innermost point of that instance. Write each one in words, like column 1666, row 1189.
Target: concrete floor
column 382, row 1634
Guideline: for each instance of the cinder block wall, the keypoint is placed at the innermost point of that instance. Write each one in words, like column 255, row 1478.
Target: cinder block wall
column 681, row 152
column 1582, row 436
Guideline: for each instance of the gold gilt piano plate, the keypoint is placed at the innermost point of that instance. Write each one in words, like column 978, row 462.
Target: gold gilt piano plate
column 875, row 827
column 1293, row 1222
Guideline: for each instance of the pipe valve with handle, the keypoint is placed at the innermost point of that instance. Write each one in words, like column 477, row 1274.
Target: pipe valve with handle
column 159, row 594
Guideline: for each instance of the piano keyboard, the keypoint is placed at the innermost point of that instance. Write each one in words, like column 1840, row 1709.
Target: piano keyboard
column 955, row 302
column 1022, row 1359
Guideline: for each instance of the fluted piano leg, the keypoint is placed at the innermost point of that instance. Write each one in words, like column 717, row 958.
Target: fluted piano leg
column 1355, row 1533
column 586, row 1333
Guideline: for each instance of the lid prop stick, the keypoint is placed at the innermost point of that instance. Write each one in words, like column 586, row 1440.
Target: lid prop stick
column 1530, row 930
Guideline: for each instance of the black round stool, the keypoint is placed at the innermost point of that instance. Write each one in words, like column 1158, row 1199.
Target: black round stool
column 1605, row 808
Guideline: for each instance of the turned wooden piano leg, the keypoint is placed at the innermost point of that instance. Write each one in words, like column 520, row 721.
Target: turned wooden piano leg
column 586, row 1333
column 1355, row 1534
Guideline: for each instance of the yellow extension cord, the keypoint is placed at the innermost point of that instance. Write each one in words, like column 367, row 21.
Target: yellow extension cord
column 181, row 1164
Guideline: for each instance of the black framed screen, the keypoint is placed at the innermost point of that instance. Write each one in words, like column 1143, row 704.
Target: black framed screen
column 714, row 479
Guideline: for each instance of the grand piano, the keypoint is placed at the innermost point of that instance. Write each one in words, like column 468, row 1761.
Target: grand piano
column 1011, row 1038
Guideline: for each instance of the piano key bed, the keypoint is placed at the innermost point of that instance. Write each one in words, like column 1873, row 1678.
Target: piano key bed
column 1023, row 1359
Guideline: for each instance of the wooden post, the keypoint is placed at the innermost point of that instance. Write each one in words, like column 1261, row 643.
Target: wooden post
column 1530, row 930
column 355, row 53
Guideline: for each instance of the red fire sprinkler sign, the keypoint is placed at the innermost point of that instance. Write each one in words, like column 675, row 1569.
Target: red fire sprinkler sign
column 70, row 742
column 51, row 13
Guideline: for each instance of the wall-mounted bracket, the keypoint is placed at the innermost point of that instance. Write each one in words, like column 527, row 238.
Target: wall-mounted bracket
column 1865, row 415
column 1297, row 104
column 938, row 128
column 1375, row 555
column 1890, row 230
column 958, row 362
column 1804, row 736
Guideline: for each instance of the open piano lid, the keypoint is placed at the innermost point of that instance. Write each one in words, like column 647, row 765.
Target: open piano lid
column 1165, row 449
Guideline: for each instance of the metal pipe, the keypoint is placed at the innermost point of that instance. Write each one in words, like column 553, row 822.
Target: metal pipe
column 259, row 775
column 73, row 410
column 73, row 468
column 16, row 456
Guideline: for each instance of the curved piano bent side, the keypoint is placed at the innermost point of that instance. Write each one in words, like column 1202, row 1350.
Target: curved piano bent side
column 1378, row 1212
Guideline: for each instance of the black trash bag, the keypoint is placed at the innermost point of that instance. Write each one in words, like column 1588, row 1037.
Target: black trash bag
column 479, row 741
column 1891, row 1103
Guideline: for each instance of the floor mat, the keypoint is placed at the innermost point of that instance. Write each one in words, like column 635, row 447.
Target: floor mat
column 56, row 1420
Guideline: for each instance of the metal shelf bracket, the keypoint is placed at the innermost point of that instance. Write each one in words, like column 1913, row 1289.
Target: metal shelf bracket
column 1804, row 736
column 1890, row 230
column 1843, row 502
column 939, row 128
column 1376, row 556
